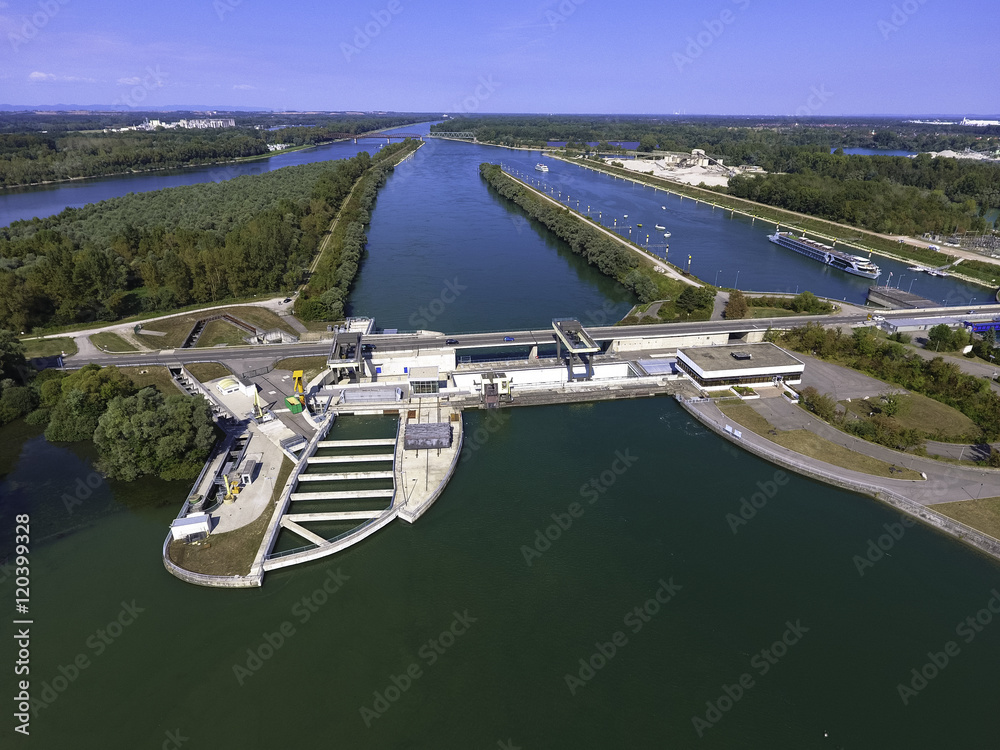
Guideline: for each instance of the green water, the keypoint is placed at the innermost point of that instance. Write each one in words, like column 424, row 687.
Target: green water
column 503, row 678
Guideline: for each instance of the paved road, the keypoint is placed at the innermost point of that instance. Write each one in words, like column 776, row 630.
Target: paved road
column 945, row 482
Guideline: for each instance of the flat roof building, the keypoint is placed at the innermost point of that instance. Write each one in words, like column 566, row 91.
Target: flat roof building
column 718, row 367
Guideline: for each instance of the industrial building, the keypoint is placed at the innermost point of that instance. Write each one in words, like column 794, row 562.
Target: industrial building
column 720, row 367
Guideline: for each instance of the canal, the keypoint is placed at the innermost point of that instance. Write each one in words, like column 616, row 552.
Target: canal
column 581, row 583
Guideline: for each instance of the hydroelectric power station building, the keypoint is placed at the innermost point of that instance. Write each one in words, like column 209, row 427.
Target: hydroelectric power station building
column 720, row 367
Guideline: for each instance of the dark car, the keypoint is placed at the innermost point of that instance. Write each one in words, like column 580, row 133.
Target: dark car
column 451, row 341
column 508, row 338
column 287, row 299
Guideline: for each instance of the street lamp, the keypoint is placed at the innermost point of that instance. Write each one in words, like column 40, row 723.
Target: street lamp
column 908, row 291
column 717, row 277
column 737, row 280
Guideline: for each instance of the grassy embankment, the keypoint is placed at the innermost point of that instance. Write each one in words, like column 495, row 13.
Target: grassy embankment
column 48, row 347
column 809, row 444
column 610, row 254
column 982, row 515
column 980, row 271
column 233, row 552
column 934, row 420
column 177, row 327
column 111, row 342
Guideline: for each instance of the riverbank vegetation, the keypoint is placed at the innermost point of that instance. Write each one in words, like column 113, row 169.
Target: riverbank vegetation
column 805, row 303
column 889, row 361
column 138, row 431
column 165, row 249
column 885, row 194
column 46, row 148
column 810, row 444
column 638, row 275
column 325, row 294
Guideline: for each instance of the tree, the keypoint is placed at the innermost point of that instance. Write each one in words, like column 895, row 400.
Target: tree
column 149, row 434
column 85, row 395
column 939, row 338
column 12, row 361
column 737, row 307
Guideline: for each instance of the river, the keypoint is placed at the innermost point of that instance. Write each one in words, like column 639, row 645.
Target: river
column 460, row 631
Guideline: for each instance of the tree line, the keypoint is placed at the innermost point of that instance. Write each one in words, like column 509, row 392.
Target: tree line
column 889, row 361
column 160, row 250
column 30, row 155
column 325, row 295
column 138, row 432
column 887, row 194
column 607, row 254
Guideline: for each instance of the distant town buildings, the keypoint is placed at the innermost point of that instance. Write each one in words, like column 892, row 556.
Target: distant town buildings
column 196, row 124
column 979, row 123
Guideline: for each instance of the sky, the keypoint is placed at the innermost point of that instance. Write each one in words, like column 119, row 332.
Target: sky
column 732, row 57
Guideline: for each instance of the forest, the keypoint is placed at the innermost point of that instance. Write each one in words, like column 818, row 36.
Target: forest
column 161, row 250
column 29, row 156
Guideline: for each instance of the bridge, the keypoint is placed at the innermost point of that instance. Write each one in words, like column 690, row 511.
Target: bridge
column 388, row 136
column 460, row 134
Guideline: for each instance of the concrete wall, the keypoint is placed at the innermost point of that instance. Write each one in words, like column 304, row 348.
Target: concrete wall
column 543, row 375
column 680, row 341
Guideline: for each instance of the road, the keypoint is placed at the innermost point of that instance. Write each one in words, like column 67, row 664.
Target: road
column 249, row 357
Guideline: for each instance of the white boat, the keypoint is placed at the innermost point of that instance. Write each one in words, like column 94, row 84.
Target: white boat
column 541, row 168
column 853, row 264
column 666, row 234
column 660, row 226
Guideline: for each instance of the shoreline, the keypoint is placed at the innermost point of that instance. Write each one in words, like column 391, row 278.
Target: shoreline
column 925, row 514
column 636, row 177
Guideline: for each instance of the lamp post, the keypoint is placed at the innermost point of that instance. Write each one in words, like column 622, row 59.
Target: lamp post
column 737, row 280
column 717, row 277
column 910, row 290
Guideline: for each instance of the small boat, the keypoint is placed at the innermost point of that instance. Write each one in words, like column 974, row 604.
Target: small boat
column 541, row 168
column 666, row 234
column 915, row 268
column 660, row 226
column 664, row 208
column 639, row 225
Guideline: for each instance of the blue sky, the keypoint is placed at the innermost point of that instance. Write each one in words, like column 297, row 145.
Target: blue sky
column 631, row 56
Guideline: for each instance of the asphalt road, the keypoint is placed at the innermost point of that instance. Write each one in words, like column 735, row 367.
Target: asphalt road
column 248, row 357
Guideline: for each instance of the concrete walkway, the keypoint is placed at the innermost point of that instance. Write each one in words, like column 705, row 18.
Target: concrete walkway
column 946, row 483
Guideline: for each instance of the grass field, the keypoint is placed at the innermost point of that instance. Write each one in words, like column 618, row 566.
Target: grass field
column 49, row 347
column 155, row 376
column 205, row 371
column 178, row 327
column 233, row 552
column 772, row 312
column 983, row 514
column 810, row 444
column 935, row 420
column 311, row 366
column 111, row 342
column 220, row 332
